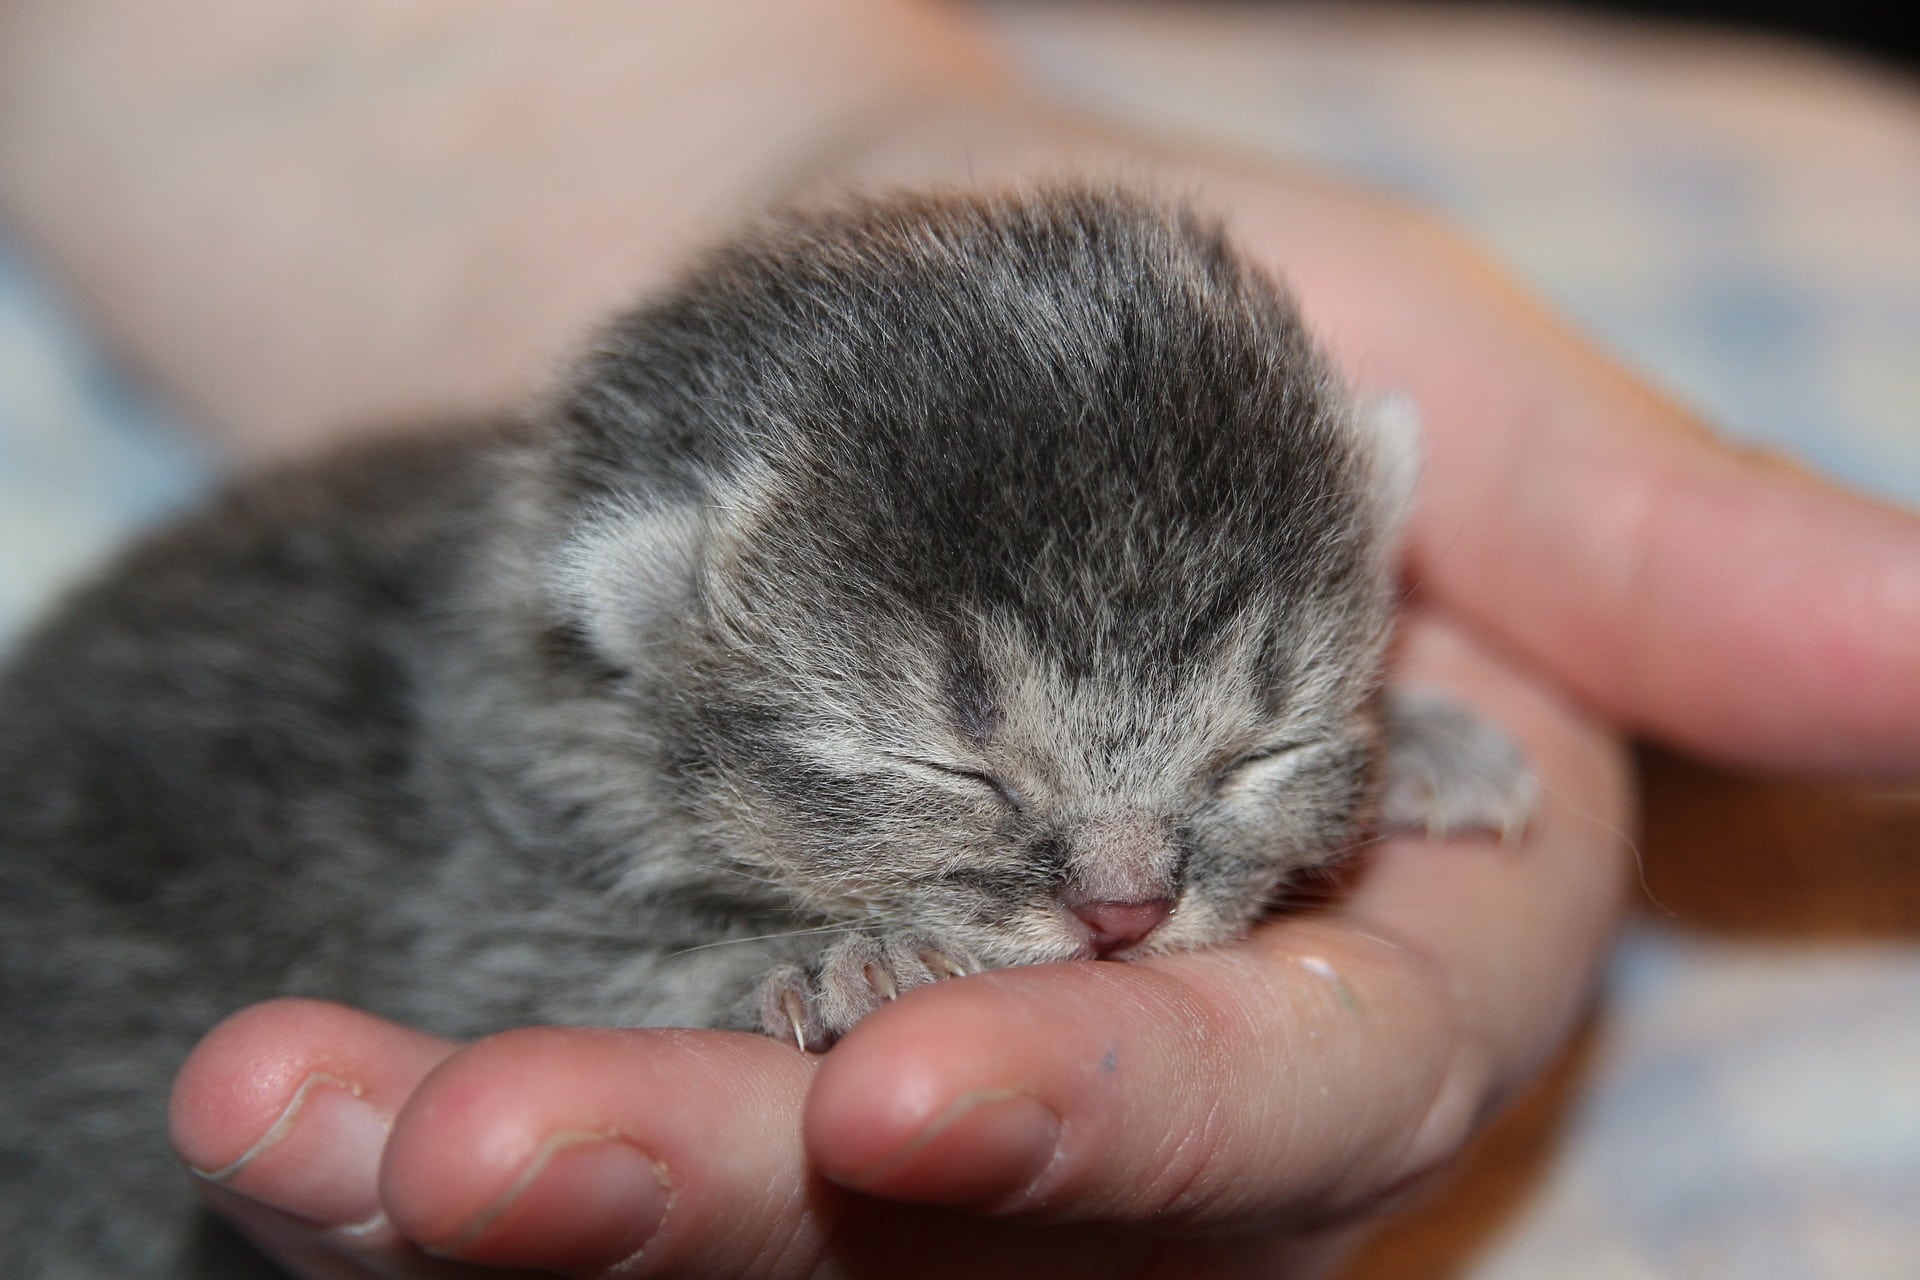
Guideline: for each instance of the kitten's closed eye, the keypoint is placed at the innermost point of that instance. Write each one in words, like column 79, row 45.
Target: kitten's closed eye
column 1263, row 762
column 1006, row 791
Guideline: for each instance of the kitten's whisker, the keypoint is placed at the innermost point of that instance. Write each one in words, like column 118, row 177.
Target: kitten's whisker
column 1624, row 837
column 744, row 874
column 1410, row 587
column 766, row 937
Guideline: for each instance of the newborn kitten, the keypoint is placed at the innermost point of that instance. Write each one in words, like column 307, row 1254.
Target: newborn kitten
column 939, row 583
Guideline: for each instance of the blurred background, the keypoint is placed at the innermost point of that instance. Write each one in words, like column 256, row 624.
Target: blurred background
column 1729, row 196
column 1862, row 27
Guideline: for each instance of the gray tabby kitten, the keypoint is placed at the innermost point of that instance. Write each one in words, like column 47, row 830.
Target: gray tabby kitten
column 938, row 583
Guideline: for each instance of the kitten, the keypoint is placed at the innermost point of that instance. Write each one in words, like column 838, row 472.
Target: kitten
column 935, row 583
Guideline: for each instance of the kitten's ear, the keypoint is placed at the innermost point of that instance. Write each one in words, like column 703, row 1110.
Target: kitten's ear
column 1391, row 425
column 635, row 563
column 624, row 566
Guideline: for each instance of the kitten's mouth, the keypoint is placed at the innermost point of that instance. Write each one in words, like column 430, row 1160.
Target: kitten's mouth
column 1087, row 951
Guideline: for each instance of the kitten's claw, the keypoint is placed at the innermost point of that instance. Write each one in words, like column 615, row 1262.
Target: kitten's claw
column 786, row 1010
column 815, row 1006
column 792, row 1006
column 942, row 964
column 1450, row 773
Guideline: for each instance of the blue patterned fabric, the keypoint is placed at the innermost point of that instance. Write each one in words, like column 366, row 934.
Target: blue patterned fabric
column 85, row 458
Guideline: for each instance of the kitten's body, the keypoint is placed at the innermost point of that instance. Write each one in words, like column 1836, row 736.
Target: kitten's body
column 959, row 573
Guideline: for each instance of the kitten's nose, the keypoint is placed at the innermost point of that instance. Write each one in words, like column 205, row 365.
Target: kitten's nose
column 1115, row 926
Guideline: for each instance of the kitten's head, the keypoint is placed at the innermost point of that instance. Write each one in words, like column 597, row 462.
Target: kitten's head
column 1010, row 568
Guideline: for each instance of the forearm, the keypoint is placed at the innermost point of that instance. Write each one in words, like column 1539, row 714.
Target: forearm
column 304, row 215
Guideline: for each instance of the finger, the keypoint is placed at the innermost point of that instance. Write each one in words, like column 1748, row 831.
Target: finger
column 1713, row 598
column 1723, row 603
column 531, row 1149
column 284, row 1110
column 574, row 1150
column 678, row 1153
column 1293, row 1079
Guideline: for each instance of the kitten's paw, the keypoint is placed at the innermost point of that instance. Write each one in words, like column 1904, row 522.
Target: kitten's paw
column 1450, row 773
column 814, row 1006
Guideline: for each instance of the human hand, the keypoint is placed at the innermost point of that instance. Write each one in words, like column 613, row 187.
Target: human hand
column 1575, row 536
column 1259, row 1096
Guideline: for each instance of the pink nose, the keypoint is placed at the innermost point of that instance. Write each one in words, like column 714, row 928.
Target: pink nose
column 1115, row 926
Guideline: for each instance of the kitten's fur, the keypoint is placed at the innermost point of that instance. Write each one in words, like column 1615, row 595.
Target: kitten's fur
column 911, row 569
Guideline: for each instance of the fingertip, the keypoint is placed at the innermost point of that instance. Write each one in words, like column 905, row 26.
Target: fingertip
column 288, row 1103
column 577, row 1150
column 247, row 1071
column 869, row 1098
column 928, row 1102
column 239, row 1077
column 470, row 1127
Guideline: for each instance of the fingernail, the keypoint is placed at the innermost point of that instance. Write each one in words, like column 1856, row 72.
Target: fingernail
column 585, row 1202
column 984, row 1147
column 320, row 1160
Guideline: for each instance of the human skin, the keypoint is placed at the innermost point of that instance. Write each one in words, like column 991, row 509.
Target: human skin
column 1585, row 562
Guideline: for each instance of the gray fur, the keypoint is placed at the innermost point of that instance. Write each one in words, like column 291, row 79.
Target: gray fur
column 908, row 568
